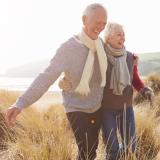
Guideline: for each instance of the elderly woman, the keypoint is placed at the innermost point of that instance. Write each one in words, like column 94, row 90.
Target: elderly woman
column 117, row 98
column 121, row 77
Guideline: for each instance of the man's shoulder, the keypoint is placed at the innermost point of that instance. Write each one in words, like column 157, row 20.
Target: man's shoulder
column 70, row 43
column 69, row 47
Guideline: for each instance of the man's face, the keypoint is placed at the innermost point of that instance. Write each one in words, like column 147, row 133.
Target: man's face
column 94, row 23
column 116, row 39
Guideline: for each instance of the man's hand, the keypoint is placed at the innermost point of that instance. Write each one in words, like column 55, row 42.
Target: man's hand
column 11, row 114
column 135, row 59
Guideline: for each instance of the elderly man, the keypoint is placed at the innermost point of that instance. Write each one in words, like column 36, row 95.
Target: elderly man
column 83, row 58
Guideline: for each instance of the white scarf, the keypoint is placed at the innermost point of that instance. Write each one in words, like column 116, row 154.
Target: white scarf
column 95, row 46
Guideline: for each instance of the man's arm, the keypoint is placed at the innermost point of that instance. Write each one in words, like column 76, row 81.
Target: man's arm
column 39, row 86
column 44, row 80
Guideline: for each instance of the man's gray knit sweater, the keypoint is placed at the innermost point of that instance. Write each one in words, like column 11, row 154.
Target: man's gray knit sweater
column 71, row 58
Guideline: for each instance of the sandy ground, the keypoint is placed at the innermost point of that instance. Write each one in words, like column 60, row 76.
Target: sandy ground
column 48, row 99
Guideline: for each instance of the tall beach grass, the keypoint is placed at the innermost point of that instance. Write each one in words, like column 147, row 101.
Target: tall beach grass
column 47, row 135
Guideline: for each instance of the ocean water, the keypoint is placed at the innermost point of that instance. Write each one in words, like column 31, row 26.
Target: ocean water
column 21, row 84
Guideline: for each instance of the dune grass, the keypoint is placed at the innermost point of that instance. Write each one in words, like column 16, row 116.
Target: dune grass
column 47, row 136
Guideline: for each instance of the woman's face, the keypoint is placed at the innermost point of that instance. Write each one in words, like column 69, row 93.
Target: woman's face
column 116, row 39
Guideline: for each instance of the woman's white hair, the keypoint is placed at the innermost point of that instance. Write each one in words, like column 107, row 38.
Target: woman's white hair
column 110, row 28
column 92, row 7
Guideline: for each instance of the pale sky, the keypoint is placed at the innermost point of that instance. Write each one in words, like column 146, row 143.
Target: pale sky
column 33, row 29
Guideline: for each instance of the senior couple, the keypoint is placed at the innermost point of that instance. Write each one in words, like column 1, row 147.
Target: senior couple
column 98, row 86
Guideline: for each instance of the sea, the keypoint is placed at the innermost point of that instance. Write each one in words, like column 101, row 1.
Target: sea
column 21, row 84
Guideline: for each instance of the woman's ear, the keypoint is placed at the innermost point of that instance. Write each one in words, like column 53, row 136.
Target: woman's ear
column 84, row 20
column 106, row 40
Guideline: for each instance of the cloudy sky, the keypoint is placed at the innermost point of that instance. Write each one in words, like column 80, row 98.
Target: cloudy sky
column 33, row 29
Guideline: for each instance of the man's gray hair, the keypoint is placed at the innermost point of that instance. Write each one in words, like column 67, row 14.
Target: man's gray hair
column 92, row 7
column 110, row 28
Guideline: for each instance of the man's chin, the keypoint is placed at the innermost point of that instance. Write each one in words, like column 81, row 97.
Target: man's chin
column 94, row 37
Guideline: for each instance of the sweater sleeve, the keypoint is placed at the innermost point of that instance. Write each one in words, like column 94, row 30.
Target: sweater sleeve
column 137, row 82
column 44, row 80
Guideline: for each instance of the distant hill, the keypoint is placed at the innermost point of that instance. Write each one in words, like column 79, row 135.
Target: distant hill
column 150, row 56
column 149, row 63
column 31, row 69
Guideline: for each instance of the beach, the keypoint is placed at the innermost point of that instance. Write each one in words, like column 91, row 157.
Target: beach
column 19, row 85
column 48, row 99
